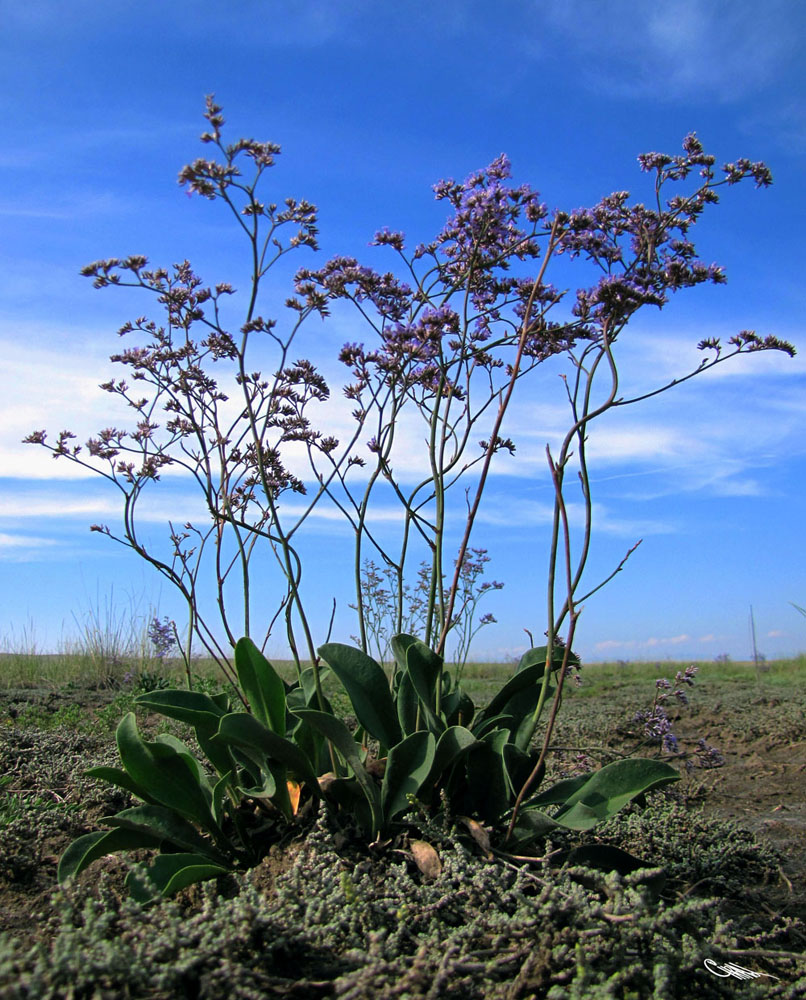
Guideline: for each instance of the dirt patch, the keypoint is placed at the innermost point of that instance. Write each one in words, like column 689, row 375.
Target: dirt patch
column 762, row 786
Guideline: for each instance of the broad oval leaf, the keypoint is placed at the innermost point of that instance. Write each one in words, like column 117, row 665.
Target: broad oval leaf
column 537, row 656
column 479, row 833
column 84, row 850
column 248, row 734
column 525, row 679
column 115, row 776
column 531, row 825
column 426, row 858
column 340, row 736
column 192, row 707
column 407, row 767
column 164, row 773
column 262, row 685
column 308, row 681
column 368, row 690
column 453, row 744
column 488, row 782
column 407, row 702
column 560, row 792
column 493, row 722
column 169, row 873
column 171, row 741
column 166, row 825
column 219, row 756
column 458, row 708
column 400, row 644
column 424, row 668
column 611, row 788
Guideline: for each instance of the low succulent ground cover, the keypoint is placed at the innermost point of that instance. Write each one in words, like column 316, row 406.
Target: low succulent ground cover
column 323, row 915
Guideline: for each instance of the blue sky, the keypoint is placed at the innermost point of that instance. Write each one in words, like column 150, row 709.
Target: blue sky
column 372, row 104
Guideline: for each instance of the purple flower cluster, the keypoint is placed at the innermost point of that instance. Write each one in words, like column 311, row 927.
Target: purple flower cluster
column 705, row 756
column 162, row 635
column 658, row 727
column 425, row 346
column 656, row 723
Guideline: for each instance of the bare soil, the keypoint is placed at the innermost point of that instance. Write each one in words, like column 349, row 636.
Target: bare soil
column 762, row 786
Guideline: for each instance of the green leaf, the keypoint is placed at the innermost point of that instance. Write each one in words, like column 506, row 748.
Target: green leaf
column 219, row 755
column 84, row 850
column 518, row 765
column 262, row 685
column 192, row 707
column 458, row 708
column 407, row 767
column 115, row 776
column 407, row 702
column 308, row 681
column 487, row 777
column 190, row 760
column 165, row 824
column 610, row 788
column 340, row 736
column 452, row 745
column 347, row 794
column 248, row 734
column 493, row 722
column 223, row 701
column 532, row 824
column 164, row 773
column 522, row 707
column 266, row 789
column 368, row 690
column 424, row 667
column 169, row 873
column 400, row 644
column 527, row 678
column 221, row 796
column 537, row 656
column 561, row 792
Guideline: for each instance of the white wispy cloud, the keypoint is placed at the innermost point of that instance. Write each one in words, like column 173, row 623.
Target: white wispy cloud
column 651, row 643
column 785, row 122
column 66, row 205
column 706, row 49
column 26, row 548
column 698, row 437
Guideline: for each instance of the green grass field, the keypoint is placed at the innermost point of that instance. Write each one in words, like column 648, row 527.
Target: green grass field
column 20, row 669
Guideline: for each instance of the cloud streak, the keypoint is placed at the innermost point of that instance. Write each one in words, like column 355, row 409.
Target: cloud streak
column 701, row 49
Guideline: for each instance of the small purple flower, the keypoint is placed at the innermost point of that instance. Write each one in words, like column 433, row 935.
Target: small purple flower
column 658, row 728
column 707, row 755
column 162, row 635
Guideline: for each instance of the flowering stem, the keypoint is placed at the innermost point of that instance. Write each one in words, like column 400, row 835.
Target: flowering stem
column 494, row 436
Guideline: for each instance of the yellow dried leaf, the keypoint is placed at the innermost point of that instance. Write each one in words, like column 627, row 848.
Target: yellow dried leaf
column 294, row 790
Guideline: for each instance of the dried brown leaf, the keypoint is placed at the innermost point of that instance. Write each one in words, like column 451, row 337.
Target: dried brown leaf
column 426, row 858
column 479, row 834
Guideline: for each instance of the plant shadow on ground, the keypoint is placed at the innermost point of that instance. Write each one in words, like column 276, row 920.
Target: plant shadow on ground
column 322, row 916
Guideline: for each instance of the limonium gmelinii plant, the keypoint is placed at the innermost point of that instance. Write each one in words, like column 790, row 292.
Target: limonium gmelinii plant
column 455, row 329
